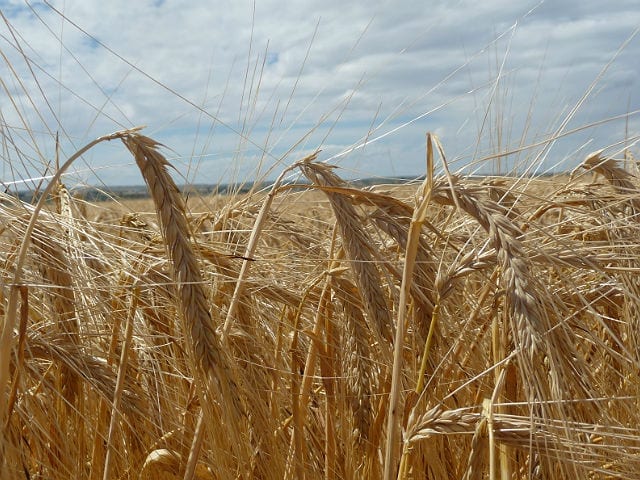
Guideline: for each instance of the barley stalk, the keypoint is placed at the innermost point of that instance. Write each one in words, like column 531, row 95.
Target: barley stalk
column 212, row 366
column 10, row 318
column 358, row 246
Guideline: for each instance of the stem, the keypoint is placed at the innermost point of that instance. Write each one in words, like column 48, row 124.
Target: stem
column 413, row 241
column 196, row 446
column 427, row 346
column 122, row 372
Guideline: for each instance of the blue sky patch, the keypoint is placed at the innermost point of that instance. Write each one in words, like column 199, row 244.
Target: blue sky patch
column 272, row 58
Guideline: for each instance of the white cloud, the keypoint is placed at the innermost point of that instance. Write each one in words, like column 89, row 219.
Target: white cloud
column 368, row 67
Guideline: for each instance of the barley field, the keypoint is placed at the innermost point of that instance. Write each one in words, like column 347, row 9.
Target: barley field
column 459, row 325
column 454, row 328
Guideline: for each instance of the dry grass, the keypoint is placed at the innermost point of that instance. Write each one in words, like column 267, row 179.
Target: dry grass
column 287, row 335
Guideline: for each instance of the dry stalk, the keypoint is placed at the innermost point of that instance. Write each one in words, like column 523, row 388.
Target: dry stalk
column 55, row 270
column 394, row 419
column 117, row 394
column 477, row 458
column 10, row 320
column 395, row 221
column 393, row 217
column 22, row 332
column 358, row 246
column 359, row 368
column 537, row 337
column 619, row 179
column 624, row 236
column 213, row 369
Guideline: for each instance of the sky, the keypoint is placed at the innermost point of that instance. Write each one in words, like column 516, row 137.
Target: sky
column 239, row 90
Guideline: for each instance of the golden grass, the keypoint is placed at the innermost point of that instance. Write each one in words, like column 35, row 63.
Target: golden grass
column 460, row 329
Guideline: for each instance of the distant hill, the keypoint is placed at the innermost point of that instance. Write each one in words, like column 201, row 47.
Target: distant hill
column 99, row 194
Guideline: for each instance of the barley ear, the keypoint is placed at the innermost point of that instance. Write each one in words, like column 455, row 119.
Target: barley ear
column 211, row 364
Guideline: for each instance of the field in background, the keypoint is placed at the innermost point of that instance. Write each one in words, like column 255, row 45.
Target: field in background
column 457, row 328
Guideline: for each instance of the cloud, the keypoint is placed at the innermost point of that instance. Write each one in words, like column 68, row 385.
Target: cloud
column 233, row 84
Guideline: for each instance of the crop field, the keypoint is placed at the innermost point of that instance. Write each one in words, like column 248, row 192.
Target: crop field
column 454, row 328
column 481, row 321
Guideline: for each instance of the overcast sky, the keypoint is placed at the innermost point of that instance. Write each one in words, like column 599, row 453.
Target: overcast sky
column 240, row 89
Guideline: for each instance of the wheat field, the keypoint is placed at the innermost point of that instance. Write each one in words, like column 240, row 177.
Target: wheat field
column 454, row 328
